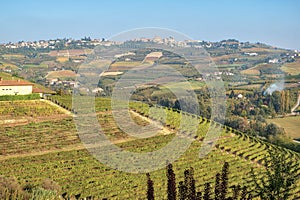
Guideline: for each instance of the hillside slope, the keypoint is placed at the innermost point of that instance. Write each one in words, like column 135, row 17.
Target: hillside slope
column 79, row 173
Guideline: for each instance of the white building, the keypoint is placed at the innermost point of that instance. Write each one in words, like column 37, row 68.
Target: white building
column 15, row 87
column 275, row 60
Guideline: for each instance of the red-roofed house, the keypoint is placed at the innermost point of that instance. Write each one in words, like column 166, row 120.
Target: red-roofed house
column 15, row 87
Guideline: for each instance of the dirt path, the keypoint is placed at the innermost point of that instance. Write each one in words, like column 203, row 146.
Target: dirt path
column 163, row 130
column 296, row 106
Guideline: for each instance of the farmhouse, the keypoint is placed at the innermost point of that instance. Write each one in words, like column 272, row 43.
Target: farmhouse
column 15, row 87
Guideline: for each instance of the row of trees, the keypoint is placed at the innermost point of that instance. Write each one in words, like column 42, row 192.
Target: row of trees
column 186, row 190
column 262, row 103
column 280, row 179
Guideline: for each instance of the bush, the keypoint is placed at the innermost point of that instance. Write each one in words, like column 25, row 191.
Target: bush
column 49, row 184
column 42, row 194
column 19, row 97
column 11, row 189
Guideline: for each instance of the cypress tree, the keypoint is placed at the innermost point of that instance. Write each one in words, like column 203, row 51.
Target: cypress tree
column 198, row 196
column 287, row 101
column 192, row 185
column 236, row 192
column 150, row 188
column 282, row 101
column 217, row 187
column 244, row 193
column 249, row 197
column 189, row 182
column 171, row 190
column 182, row 191
column 207, row 192
column 224, row 181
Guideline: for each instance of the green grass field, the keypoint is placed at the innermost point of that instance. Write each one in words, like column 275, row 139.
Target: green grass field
column 52, row 150
column 35, row 66
column 228, row 66
column 194, row 85
column 13, row 56
column 6, row 64
column 6, row 76
column 290, row 124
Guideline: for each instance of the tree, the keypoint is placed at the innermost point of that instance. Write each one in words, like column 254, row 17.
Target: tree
column 276, row 101
column 198, row 196
column 287, row 101
column 189, row 182
column 280, row 178
column 182, row 190
column 282, row 101
column 244, row 193
column 272, row 130
column 187, row 104
column 150, row 188
column 236, row 192
column 217, row 187
column 171, row 190
column 238, row 123
column 224, row 181
column 207, row 192
column 232, row 94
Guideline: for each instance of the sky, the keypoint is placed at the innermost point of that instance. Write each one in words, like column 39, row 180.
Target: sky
column 272, row 22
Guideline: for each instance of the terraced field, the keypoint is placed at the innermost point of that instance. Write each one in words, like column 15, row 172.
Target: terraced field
column 32, row 108
column 61, row 74
column 292, row 68
column 79, row 173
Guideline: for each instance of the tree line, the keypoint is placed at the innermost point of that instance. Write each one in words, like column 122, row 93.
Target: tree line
column 280, row 179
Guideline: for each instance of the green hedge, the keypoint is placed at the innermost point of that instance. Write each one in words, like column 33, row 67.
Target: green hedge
column 19, row 97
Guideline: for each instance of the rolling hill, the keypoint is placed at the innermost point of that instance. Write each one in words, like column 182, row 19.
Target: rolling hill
column 52, row 149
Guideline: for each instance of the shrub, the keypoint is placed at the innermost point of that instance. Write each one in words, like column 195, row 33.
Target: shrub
column 11, row 189
column 19, row 97
column 49, row 184
column 42, row 194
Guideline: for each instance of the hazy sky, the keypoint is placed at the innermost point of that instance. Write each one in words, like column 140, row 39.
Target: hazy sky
column 273, row 22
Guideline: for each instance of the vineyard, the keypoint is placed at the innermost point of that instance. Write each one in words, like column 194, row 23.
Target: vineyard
column 32, row 108
column 79, row 173
column 35, row 137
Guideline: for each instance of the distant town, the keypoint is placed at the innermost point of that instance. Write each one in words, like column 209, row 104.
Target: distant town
column 89, row 42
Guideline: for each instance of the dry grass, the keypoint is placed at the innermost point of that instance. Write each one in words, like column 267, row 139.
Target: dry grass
column 262, row 50
column 225, row 57
column 62, row 59
column 255, row 71
column 251, row 71
column 290, row 124
column 61, row 74
column 5, row 64
column 292, row 68
column 252, row 86
column 10, row 56
column 125, row 64
column 110, row 73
